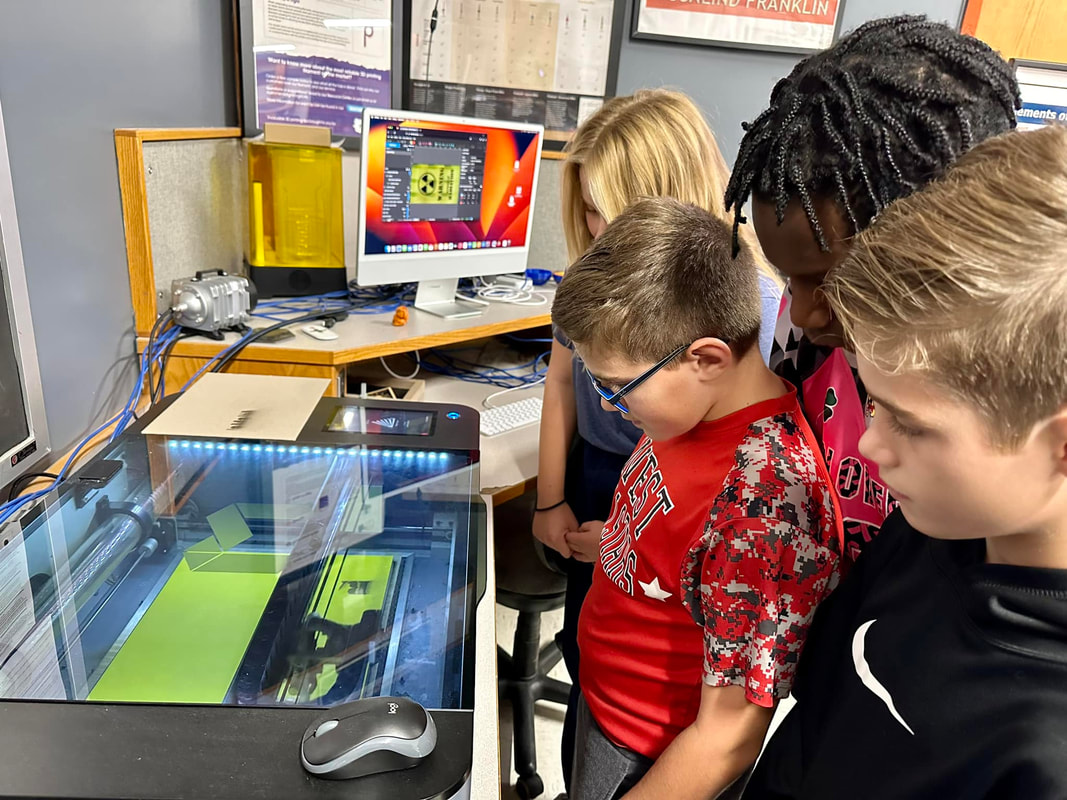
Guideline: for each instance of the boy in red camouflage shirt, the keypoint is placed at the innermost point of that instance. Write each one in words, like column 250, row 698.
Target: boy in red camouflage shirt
column 724, row 533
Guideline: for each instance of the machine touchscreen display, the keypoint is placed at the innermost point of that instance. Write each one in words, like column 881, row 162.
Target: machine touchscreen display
column 382, row 421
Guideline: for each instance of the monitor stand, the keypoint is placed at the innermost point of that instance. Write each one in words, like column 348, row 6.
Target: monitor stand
column 439, row 297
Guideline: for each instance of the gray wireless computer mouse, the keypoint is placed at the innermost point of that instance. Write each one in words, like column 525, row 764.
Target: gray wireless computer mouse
column 377, row 734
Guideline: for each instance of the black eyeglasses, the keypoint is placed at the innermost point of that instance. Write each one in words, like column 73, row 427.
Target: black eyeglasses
column 615, row 398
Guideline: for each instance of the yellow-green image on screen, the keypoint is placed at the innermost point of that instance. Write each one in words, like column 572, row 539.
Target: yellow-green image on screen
column 435, row 183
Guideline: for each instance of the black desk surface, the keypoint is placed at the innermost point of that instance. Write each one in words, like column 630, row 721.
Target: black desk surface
column 97, row 750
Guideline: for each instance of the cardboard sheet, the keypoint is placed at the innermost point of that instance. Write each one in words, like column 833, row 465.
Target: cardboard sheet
column 226, row 406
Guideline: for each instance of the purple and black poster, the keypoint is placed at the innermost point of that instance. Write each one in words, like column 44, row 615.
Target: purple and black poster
column 319, row 62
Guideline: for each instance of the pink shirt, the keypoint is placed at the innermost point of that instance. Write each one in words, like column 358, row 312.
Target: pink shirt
column 833, row 400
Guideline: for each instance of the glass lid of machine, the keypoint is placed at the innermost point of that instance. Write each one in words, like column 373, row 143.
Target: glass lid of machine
column 250, row 573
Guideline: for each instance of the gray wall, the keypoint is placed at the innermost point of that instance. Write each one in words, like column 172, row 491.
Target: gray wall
column 70, row 73
column 733, row 86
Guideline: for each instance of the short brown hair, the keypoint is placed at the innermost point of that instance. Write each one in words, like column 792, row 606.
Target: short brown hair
column 966, row 282
column 660, row 276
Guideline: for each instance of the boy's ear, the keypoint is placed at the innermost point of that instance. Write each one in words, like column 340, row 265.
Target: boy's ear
column 1059, row 434
column 713, row 356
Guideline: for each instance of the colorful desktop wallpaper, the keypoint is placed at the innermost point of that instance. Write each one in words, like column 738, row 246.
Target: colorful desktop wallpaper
column 506, row 194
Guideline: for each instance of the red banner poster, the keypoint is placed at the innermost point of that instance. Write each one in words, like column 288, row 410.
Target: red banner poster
column 797, row 25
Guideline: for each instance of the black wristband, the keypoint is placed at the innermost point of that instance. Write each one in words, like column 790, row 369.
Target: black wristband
column 549, row 508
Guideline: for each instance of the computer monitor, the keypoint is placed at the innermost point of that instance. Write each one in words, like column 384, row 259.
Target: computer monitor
column 23, row 430
column 444, row 198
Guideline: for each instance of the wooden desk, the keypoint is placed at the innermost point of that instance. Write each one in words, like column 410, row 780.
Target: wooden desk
column 360, row 337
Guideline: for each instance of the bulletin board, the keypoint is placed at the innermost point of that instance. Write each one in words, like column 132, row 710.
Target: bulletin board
column 551, row 62
column 1026, row 29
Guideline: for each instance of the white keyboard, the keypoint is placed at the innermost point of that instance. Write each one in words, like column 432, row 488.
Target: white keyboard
column 510, row 416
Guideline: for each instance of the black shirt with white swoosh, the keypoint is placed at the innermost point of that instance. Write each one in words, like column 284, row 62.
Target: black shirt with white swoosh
column 928, row 674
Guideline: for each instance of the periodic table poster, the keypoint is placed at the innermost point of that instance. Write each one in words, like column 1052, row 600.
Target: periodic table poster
column 544, row 61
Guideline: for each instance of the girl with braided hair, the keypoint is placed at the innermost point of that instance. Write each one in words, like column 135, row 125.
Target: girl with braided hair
column 872, row 119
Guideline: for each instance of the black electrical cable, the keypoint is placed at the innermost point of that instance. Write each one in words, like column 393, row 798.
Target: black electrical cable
column 157, row 328
column 14, row 490
column 157, row 389
column 261, row 332
column 429, row 41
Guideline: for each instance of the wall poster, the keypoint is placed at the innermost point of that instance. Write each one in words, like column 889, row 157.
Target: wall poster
column 793, row 26
column 316, row 62
column 550, row 62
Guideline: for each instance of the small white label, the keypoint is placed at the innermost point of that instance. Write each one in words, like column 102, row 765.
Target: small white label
column 587, row 106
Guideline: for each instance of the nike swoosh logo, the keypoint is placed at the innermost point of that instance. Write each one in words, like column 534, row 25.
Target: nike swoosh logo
column 863, row 669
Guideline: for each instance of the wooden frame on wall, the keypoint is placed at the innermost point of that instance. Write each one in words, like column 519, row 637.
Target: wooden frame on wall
column 129, row 152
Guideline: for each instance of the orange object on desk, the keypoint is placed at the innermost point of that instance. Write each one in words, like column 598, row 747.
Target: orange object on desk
column 400, row 318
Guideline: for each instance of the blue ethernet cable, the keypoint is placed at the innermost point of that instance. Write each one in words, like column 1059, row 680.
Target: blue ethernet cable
column 121, row 420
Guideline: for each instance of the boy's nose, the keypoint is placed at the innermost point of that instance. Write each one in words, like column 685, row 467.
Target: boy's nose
column 809, row 309
column 872, row 446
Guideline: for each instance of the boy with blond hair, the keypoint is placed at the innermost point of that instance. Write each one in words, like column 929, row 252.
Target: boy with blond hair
column 723, row 534
column 939, row 667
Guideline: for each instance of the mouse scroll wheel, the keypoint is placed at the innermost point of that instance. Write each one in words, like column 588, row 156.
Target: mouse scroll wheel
column 325, row 727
